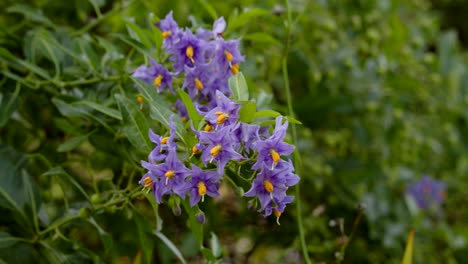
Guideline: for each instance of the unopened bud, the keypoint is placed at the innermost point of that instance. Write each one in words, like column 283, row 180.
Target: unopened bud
column 200, row 216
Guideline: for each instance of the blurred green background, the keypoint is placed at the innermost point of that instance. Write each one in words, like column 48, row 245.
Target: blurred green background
column 381, row 87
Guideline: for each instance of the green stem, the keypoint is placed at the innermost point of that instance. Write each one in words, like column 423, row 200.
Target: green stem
column 95, row 22
column 353, row 231
column 59, row 223
column 284, row 63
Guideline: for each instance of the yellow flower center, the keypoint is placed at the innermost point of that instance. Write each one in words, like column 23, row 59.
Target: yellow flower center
column 275, row 156
column 268, row 186
column 148, row 182
column 166, row 34
column 221, row 118
column 158, row 80
column 189, row 53
column 215, row 150
column 201, row 188
column 208, row 128
column 140, row 99
column 184, row 119
column 164, row 140
column 277, row 213
column 169, row 174
column 198, row 84
column 228, row 55
column 235, row 68
column 195, row 150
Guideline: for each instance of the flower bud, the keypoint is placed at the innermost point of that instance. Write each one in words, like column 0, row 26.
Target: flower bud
column 200, row 216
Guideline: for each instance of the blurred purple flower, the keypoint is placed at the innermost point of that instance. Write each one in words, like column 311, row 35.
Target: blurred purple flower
column 219, row 147
column 163, row 144
column 155, row 74
column 226, row 111
column 271, row 185
column 201, row 183
column 170, row 30
column 188, row 51
column 271, row 149
column 427, row 192
column 170, row 176
column 226, row 56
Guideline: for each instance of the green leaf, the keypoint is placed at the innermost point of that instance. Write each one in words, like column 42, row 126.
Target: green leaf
column 261, row 37
column 144, row 236
column 192, row 112
column 242, row 19
column 6, row 240
column 271, row 113
column 155, row 207
column 33, row 200
column 195, row 226
column 408, row 255
column 61, row 171
column 12, row 185
column 247, row 111
column 8, row 105
column 31, row 14
column 41, row 43
column 103, row 109
column 136, row 127
column 138, row 34
column 208, row 254
column 105, row 237
column 160, row 108
column 134, row 43
column 72, row 143
column 215, row 245
column 171, row 246
column 87, row 50
column 5, row 54
column 238, row 86
column 209, row 8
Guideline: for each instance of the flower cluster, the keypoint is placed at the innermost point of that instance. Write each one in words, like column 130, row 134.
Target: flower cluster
column 205, row 61
column 427, row 193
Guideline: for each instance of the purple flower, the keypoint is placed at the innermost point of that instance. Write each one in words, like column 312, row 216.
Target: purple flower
column 188, row 51
column 170, row 30
column 277, row 207
column 218, row 27
column 197, row 80
column 181, row 110
column 219, row 147
column 156, row 74
column 163, row 144
column 227, row 57
column 427, row 192
column 225, row 113
column 271, row 185
column 170, row 176
column 201, row 183
column 247, row 134
column 271, row 149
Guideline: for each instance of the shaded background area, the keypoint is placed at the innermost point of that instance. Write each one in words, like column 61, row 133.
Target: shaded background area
column 381, row 88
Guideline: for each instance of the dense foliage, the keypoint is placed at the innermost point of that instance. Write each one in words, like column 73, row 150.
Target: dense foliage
column 379, row 89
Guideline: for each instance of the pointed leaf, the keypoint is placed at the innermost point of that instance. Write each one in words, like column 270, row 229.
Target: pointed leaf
column 242, row 19
column 160, row 109
column 247, row 111
column 135, row 124
column 238, row 86
column 192, row 112
column 171, row 246
column 72, row 143
column 8, row 105
column 408, row 256
column 103, row 109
